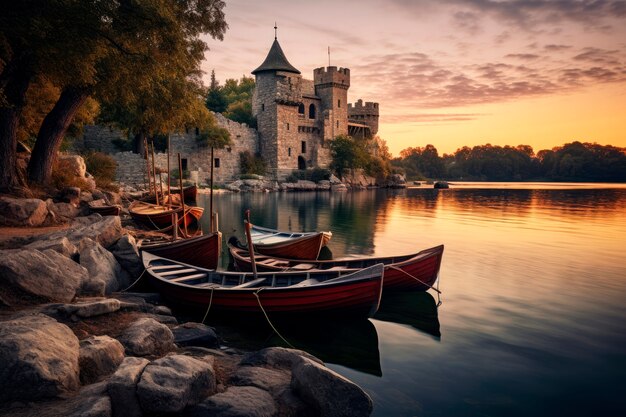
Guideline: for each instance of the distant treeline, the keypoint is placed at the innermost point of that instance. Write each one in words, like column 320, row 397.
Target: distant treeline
column 574, row 161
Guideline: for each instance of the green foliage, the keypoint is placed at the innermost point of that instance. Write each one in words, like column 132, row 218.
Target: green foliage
column 214, row 137
column 314, row 174
column 174, row 176
column 251, row 164
column 347, row 153
column 102, row 167
column 574, row 161
column 233, row 99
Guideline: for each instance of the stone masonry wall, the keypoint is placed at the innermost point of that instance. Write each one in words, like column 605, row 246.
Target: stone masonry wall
column 365, row 114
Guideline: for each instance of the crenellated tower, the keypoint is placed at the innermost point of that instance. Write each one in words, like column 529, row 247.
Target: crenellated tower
column 360, row 114
column 331, row 86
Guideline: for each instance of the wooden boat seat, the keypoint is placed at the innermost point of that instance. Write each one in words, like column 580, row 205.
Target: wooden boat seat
column 188, row 277
column 177, row 271
column 250, row 284
column 302, row 267
column 207, row 285
column 306, row 283
column 162, row 267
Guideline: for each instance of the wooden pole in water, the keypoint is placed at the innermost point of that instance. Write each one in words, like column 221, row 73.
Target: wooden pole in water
column 211, row 195
column 182, row 196
column 145, row 151
column 250, row 246
column 161, row 183
column 169, row 191
column 156, row 194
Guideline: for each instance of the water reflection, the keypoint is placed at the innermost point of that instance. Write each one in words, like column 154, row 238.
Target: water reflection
column 415, row 309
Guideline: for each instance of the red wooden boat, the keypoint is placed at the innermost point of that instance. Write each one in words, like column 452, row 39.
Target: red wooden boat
column 100, row 207
column 203, row 251
column 306, row 245
column 310, row 295
column 190, row 192
column 159, row 217
column 415, row 272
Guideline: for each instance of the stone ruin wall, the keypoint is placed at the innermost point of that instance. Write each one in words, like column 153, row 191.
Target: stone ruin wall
column 366, row 114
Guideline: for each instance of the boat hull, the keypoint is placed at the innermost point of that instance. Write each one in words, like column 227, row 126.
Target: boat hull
column 106, row 210
column 341, row 295
column 160, row 217
column 203, row 251
column 303, row 246
column 415, row 272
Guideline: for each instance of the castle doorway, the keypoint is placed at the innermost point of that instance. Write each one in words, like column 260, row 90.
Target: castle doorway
column 301, row 163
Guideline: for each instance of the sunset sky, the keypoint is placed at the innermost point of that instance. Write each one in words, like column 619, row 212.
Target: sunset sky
column 453, row 72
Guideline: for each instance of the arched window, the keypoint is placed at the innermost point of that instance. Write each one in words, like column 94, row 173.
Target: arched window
column 312, row 111
column 301, row 108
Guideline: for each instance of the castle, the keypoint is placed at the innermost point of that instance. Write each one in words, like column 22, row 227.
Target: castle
column 297, row 120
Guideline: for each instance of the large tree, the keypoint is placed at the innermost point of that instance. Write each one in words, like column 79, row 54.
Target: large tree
column 109, row 50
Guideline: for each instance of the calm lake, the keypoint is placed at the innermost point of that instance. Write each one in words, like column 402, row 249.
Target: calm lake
column 533, row 281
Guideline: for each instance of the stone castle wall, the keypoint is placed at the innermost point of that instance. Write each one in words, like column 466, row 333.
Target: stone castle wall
column 364, row 114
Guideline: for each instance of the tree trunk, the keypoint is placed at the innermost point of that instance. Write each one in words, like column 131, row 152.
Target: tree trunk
column 14, row 82
column 52, row 131
column 138, row 143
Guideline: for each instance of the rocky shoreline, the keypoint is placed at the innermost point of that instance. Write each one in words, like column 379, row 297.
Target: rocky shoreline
column 72, row 343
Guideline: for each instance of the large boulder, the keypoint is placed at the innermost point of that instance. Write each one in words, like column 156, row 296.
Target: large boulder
column 277, row 357
column 39, row 358
column 102, row 267
column 147, row 336
column 268, row 379
column 329, row 392
column 75, row 164
column 22, row 211
column 106, row 231
column 60, row 244
column 170, row 384
column 126, row 252
column 195, row 334
column 236, row 402
column 99, row 355
column 122, row 387
column 46, row 274
column 63, row 212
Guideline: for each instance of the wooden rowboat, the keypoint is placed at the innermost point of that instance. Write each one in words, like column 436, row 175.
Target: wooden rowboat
column 303, row 294
column 272, row 242
column 203, row 251
column 414, row 272
column 159, row 217
column 190, row 192
column 100, row 207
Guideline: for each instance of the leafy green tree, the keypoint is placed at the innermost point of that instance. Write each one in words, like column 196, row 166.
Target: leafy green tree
column 346, row 154
column 215, row 100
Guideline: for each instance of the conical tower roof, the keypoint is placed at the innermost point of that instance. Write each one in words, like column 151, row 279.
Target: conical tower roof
column 276, row 61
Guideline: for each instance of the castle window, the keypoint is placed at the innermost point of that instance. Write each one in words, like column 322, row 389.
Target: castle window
column 216, row 162
column 301, row 108
column 312, row 111
column 183, row 162
column 338, row 103
column 303, row 147
column 262, row 106
column 289, row 151
column 337, row 123
column 287, row 126
column 229, row 149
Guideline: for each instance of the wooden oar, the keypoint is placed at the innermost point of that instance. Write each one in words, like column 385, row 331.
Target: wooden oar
column 250, row 246
column 169, row 191
column 182, row 196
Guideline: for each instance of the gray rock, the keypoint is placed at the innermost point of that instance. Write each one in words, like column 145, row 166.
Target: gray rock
column 323, row 185
column 22, row 211
column 46, row 274
column 195, row 334
column 90, row 308
column 106, row 232
column 170, row 384
column 277, row 357
column 122, row 387
column 338, row 187
column 163, row 310
column 71, row 195
column 113, row 198
column 99, row 355
column 304, row 185
column 236, row 402
column 75, row 164
column 61, row 245
column 147, row 336
column 63, row 212
column 102, row 266
column 39, row 359
column 329, row 392
column 271, row 380
column 334, row 180
column 165, row 319
column 86, row 220
column 86, row 197
column 127, row 254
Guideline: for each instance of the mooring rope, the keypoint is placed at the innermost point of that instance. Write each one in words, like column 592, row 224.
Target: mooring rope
column 136, row 281
column 415, row 278
column 209, row 308
column 256, row 294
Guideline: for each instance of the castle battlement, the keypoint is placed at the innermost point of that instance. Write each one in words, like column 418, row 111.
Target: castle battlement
column 331, row 75
column 369, row 106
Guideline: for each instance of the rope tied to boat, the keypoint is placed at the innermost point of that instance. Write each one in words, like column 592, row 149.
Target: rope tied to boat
column 137, row 280
column 208, row 308
column 256, row 294
column 415, row 278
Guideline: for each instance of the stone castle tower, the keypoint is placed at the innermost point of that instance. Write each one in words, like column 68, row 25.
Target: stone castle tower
column 298, row 118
